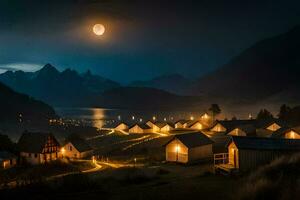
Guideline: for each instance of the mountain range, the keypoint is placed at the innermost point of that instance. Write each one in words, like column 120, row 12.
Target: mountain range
column 174, row 83
column 66, row 88
column 264, row 74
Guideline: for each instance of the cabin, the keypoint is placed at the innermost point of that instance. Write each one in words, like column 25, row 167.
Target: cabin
column 243, row 130
column 38, row 148
column 225, row 126
column 288, row 133
column 140, row 128
column 150, row 123
column 77, row 148
column 118, row 126
column 270, row 125
column 163, row 127
column 7, row 160
column 197, row 125
column 181, row 123
column 248, row 153
column 189, row 147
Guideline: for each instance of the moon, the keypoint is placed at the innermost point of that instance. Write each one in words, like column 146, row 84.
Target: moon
column 99, row 29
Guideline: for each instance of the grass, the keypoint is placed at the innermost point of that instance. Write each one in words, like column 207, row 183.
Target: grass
column 167, row 181
column 278, row 180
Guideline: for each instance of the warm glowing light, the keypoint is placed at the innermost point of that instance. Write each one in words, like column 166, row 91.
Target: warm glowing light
column 141, row 120
column 177, row 148
column 99, row 29
column 132, row 117
column 154, row 118
column 165, row 119
column 63, row 151
column 192, row 118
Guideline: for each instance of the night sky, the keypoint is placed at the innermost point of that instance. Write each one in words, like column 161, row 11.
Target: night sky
column 142, row 40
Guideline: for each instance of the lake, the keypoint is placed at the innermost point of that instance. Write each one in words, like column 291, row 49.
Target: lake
column 97, row 117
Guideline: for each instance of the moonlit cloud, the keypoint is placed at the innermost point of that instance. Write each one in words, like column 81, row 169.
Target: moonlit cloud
column 26, row 67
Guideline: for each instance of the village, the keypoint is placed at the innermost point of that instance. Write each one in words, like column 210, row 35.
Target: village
column 227, row 147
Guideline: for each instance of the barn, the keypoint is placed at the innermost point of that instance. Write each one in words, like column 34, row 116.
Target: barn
column 189, row 147
column 77, row 148
column 118, row 126
column 247, row 153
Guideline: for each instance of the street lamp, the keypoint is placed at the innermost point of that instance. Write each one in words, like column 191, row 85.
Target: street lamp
column 134, row 162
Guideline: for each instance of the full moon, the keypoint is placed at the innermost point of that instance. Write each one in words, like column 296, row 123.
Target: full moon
column 99, row 29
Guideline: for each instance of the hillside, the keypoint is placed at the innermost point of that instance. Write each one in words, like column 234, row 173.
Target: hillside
column 267, row 70
column 66, row 88
column 145, row 98
column 174, row 83
column 15, row 106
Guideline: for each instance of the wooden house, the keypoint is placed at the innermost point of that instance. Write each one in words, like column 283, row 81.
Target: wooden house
column 226, row 126
column 181, row 123
column 197, row 125
column 77, row 148
column 189, row 147
column 150, row 123
column 243, row 130
column 37, row 148
column 287, row 133
column 270, row 125
column 140, row 128
column 7, row 159
column 248, row 153
column 163, row 127
column 118, row 126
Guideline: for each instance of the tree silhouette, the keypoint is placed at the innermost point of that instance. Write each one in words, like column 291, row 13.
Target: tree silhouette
column 215, row 110
column 264, row 114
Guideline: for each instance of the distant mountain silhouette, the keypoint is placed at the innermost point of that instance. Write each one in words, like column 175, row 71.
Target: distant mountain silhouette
column 268, row 70
column 174, row 83
column 66, row 88
column 145, row 99
column 15, row 107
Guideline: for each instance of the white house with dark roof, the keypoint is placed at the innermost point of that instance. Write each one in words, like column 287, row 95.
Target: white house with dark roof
column 189, row 147
column 37, row 148
column 77, row 148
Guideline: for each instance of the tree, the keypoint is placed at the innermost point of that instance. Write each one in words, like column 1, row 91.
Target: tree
column 264, row 114
column 284, row 112
column 6, row 144
column 215, row 110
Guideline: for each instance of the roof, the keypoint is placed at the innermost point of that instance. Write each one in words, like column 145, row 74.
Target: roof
column 232, row 124
column 257, row 143
column 4, row 155
column 249, row 129
column 192, row 122
column 182, row 121
column 141, row 125
column 193, row 139
column 163, row 124
column 80, row 144
column 33, row 142
column 115, row 124
column 267, row 123
column 280, row 132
